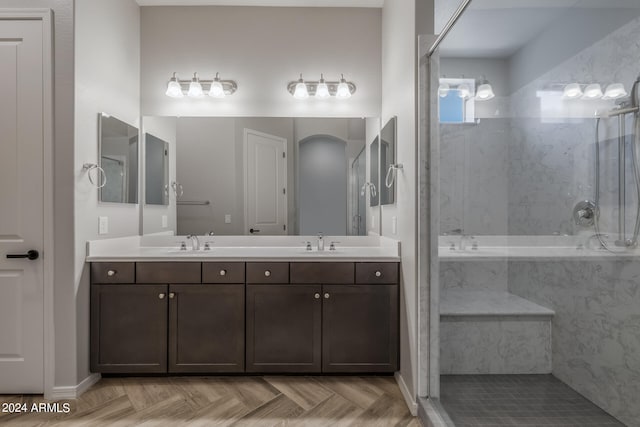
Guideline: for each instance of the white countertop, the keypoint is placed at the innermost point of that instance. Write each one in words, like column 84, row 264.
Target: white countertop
column 243, row 248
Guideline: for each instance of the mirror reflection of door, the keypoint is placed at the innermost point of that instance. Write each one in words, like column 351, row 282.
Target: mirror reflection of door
column 266, row 192
column 323, row 183
column 115, row 189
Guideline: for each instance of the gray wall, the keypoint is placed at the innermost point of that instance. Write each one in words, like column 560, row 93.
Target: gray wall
column 263, row 49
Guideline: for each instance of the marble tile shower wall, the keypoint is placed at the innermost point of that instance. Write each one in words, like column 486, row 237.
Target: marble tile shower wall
column 596, row 329
column 474, row 179
column 551, row 161
column 522, row 175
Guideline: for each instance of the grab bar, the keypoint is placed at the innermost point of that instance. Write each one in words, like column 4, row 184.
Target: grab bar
column 194, row 202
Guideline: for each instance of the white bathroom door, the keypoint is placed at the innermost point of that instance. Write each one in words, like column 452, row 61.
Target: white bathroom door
column 22, row 140
column 265, row 183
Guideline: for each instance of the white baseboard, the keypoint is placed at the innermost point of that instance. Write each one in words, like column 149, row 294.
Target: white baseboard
column 408, row 396
column 73, row 392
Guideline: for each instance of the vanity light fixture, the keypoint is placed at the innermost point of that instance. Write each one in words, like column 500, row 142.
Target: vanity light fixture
column 485, row 91
column 322, row 89
column 443, row 90
column 464, row 91
column 343, row 91
column 174, row 90
column 572, row 91
column 196, row 88
column 216, row 90
column 301, row 91
column 615, row 91
column 593, row 91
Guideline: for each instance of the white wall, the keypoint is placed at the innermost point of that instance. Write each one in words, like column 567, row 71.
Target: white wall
column 107, row 55
column 64, row 289
column 263, row 49
column 165, row 129
column 399, row 99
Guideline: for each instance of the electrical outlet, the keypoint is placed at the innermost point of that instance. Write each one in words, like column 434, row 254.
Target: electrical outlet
column 103, row 225
column 394, row 225
column 165, row 221
column 227, row 219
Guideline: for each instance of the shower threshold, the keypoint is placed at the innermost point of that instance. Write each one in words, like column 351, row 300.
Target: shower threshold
column 518, row 400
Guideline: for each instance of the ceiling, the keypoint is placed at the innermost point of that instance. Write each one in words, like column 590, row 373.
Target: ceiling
column 281, row 3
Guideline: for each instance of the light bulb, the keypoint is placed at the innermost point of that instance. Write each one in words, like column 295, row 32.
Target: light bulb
column 301, row 91
column 572, row 91
column 615, row 91
column 485, row 92
column 322, row 90
column 195, row 88
column 343, row 91
column 216, row 90
column 443, row 90
column 174, row 90
column 464, row 91
column 593, row 91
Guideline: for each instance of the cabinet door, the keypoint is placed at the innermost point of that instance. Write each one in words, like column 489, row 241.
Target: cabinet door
column 206, row 328
column 360, row 328
column 129, row 328
column 283, row 328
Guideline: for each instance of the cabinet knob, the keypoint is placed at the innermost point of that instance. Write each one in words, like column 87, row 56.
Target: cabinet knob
column 317, row 295
column 111, row 273
column 223, row 272
column 267, row 273
column 378, row 274
column 172, row 295
column 161, row 296
column 326, row 295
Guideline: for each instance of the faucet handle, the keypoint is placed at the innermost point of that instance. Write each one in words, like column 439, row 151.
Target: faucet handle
column 332, row 246
column 183, row 246
column 308, row 245
column 207, row 246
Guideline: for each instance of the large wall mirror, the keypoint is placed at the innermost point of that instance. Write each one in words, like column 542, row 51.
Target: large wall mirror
column 387, row 160
column 262, row 176
column 118, row 148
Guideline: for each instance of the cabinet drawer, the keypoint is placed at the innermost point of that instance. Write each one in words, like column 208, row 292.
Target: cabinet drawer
column 168, row 272
column 268, row 272
column 223, row 272
column 322, row 272
column 112, row 272
column 377, row 272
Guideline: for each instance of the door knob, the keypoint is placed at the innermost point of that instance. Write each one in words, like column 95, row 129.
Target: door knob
column 253, row 230
column 31, row 255
column 172, row 295
column 161, row 296
column 378, row 274
column 223, row 272
column 326, row 295
column 317, row 295
column 267, row 273
column 111, row 273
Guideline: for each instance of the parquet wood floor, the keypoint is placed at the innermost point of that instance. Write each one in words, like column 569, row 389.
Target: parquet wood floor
column 227, row 401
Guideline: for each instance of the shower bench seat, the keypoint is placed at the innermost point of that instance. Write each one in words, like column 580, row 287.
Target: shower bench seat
column 493, row 332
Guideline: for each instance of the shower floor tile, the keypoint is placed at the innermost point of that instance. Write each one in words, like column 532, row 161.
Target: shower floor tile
column 518, row 400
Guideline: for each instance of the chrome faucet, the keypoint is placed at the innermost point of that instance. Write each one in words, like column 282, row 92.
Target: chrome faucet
column 320, row 242
column 464, row 239
column 195, row 242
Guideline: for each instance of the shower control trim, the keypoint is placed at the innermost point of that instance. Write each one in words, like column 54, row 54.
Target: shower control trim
column 584, row 213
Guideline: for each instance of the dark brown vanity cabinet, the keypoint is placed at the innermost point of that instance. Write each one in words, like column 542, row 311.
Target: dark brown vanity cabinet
column 332, row 317
column 128, row 328
column 150, row 327
column 228, row 317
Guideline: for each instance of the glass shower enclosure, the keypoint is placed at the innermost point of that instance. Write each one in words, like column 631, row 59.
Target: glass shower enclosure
column 534, row 135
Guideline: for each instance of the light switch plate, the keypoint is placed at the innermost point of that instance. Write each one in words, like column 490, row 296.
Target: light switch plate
column 227, row 219
column 103, row 225
column 394, row 225
column 165, row 221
